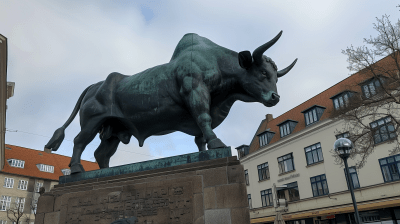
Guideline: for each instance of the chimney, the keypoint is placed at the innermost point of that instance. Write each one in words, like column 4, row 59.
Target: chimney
column 46, row 150
column 269, row 117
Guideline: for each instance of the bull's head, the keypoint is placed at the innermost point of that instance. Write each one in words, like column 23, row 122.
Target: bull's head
column 261, row 74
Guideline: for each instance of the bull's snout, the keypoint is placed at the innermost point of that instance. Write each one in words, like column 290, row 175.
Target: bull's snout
column 272, row 99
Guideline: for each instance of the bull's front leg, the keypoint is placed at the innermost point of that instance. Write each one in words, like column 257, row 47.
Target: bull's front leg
column 197, row 98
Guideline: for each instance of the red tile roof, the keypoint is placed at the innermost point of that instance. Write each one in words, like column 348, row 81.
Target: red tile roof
column 33, row 157
column 322, row 99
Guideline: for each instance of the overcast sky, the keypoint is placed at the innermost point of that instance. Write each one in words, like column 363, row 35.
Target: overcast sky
column 58, row 48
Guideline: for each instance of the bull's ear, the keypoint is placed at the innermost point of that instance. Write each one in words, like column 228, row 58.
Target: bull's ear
column 245, row 59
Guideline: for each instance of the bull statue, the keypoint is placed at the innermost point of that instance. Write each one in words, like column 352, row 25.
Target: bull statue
column 193, row 93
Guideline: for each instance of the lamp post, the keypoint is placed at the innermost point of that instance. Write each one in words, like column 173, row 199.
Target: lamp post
column 344, row 147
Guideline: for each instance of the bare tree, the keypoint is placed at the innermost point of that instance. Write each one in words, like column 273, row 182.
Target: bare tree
column 16, row 213
column 379, row 64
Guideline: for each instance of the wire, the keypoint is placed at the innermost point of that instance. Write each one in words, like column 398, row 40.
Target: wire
column 90, row 144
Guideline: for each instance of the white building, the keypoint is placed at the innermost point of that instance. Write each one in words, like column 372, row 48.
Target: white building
column 294, row 152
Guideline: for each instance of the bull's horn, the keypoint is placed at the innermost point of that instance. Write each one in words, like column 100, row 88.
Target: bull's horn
column 287, row 69
column 257, row 53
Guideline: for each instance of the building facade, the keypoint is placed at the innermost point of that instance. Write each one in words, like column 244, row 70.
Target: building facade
column 290, row 165
column 25, row 172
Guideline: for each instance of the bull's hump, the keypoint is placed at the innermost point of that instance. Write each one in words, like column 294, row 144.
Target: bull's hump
column 188, row 41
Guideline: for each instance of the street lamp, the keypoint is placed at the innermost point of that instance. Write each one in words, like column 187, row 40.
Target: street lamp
column 343, row 147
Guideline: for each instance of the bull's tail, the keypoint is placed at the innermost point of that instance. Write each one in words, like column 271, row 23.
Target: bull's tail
column 59, row 135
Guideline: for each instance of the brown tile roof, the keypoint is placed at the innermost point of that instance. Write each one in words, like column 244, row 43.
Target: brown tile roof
column 33, row 157
column 322, row 99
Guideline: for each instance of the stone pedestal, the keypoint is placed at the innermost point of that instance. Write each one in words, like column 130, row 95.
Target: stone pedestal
column 211, row 191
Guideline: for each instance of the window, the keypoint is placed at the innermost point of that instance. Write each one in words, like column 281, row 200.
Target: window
column 23, row 184
column 343, row 135
column 383, row 129
column 266, row 198
column 20, row 203
column 341, row 100
column 8, row 182
column 243, row 150
column 34, row 206
column 263, row 171
column 38, row 186
column 390, row 167
column 313, row 114
column 3, row 222
column 354, row 178
column 246, row 177
column 370, row 89
column 16, row 163
column 5, row 203
column 45, row 168
column 249, row 200
column 285, row 163
column 287, row 127
column 319, row 185
column 291, row 190
column 265, row 137
column 66, row 172
column 314, row 153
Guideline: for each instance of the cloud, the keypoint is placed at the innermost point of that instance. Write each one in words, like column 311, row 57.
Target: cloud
column 58, row 48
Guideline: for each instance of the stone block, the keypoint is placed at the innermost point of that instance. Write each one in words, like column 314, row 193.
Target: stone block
column 231, row 196
column 235, row 174
column 57, row 203
column 198, row 206
column 210, row 201
column 217, row 216
column 213, row 177
column 45, row 204
column 52, row 218
column 199, row 220
column 240, row 215
column 39, row 218
column 197, row 184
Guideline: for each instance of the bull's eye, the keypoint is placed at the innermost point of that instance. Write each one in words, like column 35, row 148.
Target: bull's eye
column 264, row 73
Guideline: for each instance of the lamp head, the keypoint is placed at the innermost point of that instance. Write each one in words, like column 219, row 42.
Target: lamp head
column 343, row 146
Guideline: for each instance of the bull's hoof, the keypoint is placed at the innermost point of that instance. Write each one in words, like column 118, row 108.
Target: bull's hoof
column 215, row 143
column 77, row 168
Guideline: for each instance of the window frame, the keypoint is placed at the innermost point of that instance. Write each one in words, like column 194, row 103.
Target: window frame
column 322, row 178
column 376, row 84
column 281, row 164
column 45, row 168
column 263, row 171
column 8, row 182
column 342, row 100
column 342, row 135
column 289, row 188
column 392, row 165
column 315, row 112
column 246, row 177
column 266, row 194
column 20, row 200
column 5, row 200
column 286, row 127
column 22, row 185
column 249, row 201
column 16, row 163
column 377, row 129
column 352, row 176
column 38, row 185
column 66, row 171
column 318, row 153
column 264, row 138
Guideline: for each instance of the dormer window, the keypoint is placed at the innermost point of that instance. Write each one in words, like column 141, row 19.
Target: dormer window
column 16, row 163
column 265, row 137
column 243, row 150
column 66, row 171
column 287, row 127
column 341, row 100
column 371, row 86
column 313, row 114
column 45, row 168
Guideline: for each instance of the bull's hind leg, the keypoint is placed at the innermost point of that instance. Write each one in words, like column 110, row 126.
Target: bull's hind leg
column 200, row 142
column 106, row 149
column 80, row 142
